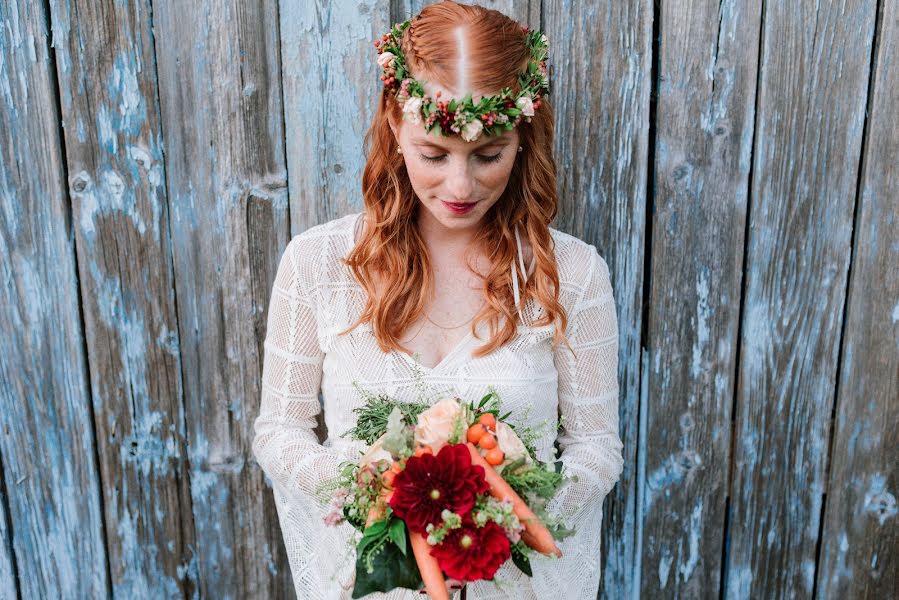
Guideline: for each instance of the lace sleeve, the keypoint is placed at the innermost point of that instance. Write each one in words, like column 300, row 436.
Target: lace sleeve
column 285, row 444
column 588, row 395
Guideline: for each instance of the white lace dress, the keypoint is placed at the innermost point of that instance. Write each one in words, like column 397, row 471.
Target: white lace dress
column 314, row 297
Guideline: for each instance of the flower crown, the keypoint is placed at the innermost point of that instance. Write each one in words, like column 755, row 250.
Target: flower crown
column 491, row 115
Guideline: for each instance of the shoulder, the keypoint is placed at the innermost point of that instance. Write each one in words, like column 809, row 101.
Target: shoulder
column 314, row 251
column 582, row 269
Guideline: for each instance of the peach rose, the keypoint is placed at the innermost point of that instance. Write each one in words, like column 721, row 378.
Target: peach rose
column 525, row 105
column 412, row 110
column 511, row 444
column 385, row 58
column 436, row 423
column 376, row 453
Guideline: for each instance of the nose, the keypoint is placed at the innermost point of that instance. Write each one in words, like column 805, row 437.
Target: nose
column 459, row 182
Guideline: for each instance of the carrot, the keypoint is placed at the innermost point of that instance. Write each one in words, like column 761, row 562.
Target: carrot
column 431, row 575
column 535, row 533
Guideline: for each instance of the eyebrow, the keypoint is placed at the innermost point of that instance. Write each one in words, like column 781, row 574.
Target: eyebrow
column 495, row 142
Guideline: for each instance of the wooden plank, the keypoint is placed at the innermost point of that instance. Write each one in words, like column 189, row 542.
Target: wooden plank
column 526, row 13
column 602, row 173
column 114, row 155
column 220, row 97
column 812, row 89
column 8, row 586
column 861, row 527
column 331, row 86
column 47, row 442
column 704, row 125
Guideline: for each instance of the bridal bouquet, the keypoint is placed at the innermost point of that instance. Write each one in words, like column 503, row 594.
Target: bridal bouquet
column 446, row 494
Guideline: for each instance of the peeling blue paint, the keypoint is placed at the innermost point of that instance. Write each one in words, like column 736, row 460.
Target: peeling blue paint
column 685, row 570
column 675, row 468
column 665, row 560
column 879, row 502
column 150, row 449
column 704, row 314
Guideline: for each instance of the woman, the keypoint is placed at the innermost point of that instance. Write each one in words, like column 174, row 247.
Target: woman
column 429, row 285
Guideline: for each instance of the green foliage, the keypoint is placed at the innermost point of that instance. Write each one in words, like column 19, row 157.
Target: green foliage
column 373, row 415
column 385, row 542
column 521, row 557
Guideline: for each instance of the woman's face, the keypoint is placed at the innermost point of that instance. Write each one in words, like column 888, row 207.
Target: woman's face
column 456, row 181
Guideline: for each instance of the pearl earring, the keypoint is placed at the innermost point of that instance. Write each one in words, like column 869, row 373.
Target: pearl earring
column 398, row 149
column 520, row 148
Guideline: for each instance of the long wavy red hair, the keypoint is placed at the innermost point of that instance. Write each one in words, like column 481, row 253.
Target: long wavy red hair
column 390, row 259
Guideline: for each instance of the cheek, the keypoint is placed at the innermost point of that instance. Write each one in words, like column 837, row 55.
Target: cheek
column 421, row 175
column 498, row 176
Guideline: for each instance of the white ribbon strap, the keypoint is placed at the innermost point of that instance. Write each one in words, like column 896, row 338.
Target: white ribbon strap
column 515, row 289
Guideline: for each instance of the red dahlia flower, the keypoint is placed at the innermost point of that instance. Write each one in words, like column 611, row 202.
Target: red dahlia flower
column 470, row 552
column 431, row 483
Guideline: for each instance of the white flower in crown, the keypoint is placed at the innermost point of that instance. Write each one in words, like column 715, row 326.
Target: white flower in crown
column 412, row 110
column 385, row 58
column 472, row 130
column 525, row 105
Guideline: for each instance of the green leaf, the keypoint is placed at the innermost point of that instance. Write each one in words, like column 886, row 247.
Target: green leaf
column 521, row 561
column 397, row 532
column 393, row 569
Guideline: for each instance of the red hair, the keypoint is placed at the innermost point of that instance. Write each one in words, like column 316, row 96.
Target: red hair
column 391, row 250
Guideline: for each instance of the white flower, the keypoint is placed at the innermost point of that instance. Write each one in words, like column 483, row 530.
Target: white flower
column 544, row 40
column 436, row 423
column 526, row 106
column 510, row 443
column 412, row 110
column 385, row 58
column 472, row 130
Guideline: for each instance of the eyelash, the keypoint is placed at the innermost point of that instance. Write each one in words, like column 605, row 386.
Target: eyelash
column 483, row 159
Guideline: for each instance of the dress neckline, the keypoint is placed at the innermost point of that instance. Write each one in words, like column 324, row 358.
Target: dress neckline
column 468, row 337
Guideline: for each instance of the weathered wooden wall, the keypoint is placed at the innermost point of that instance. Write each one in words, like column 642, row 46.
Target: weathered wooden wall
column 734, row 162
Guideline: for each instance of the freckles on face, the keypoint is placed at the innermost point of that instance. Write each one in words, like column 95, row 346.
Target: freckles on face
column 447, row 169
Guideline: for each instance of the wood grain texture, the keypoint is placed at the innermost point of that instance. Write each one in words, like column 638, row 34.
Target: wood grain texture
column 144, row 207
column 330, row 96
column 812, row 89
column 47, row 444
column 601, row 58
column 114, row 154
column 220, row 95
column 704, row 126
column 860, row 533
column 8, row 573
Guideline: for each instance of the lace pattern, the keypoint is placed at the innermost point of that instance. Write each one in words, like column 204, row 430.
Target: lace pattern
column 314, row 297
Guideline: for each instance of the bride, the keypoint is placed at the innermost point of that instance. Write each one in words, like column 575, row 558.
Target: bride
column 450, row 276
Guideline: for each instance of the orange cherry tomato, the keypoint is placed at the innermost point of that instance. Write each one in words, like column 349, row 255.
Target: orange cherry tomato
column 423, row 450
column 396, row 467
column 487, row 442
column 487, row 420
column 495, row 456
column 476, row 432
column 388, row 478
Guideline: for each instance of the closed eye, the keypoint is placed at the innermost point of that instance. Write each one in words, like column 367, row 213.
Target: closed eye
column 480, row 157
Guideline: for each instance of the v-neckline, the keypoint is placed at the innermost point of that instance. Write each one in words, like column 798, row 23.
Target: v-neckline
column 404, row 355
column 411, row 360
